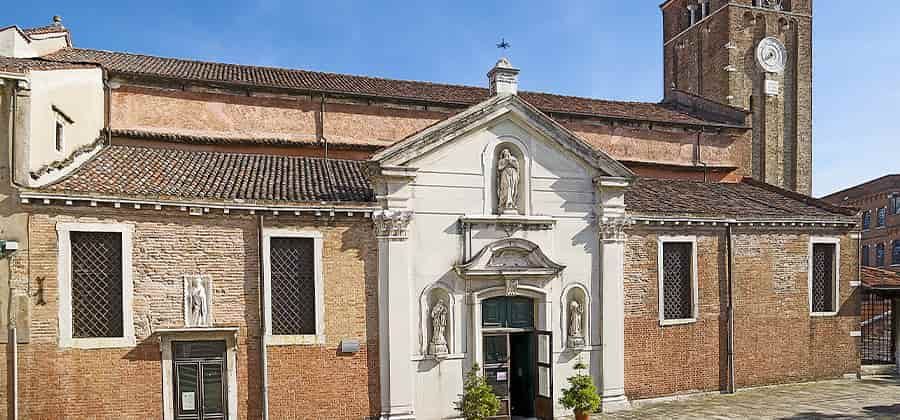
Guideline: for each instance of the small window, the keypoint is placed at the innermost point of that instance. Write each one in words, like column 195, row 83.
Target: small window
column 865, row 255
column 867, row 220
column 895, row 253
column 678, row 281
column 293, row 286
column 823, row 287
column 96, row 284
column 294, row 299
column 882, row 214
column 59, row 136
column 879, row 255
column 895, row 200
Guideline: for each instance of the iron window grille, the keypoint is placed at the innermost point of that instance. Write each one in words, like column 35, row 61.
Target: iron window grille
column 293, row 293
column 823, row 278
column 96, row 284
column 879, row 255
column 677, row 265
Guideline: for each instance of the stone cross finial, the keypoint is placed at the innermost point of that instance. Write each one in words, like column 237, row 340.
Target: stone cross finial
column 57, row 20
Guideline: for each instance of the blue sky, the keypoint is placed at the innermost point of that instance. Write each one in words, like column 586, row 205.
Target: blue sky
column 598, row 48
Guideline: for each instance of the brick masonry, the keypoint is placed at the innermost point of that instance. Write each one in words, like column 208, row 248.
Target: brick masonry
column 776, row 339
column 305, row 381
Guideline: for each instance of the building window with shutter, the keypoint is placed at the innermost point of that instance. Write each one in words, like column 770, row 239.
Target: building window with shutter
column 879, row 255
column 895, row 203
column 882, row 216
column 294, row 295
column 677, row 260
column 824, row 276
column 867, row 220
column 865, row 255
column 95, row 285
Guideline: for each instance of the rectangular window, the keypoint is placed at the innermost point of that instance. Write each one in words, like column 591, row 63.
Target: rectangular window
column 824, row 276
column 865, row 255
column 879, row 255
column 881, row 216
column 895, row 254
column 293, row 281
column 59, row 136
column 677, row 280
column 896, row 203
column 95, row 285
column 867, row 220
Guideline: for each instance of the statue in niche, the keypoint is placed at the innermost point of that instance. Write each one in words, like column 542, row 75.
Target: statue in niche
column 576, row 316
column 438, row 329
column 507, row 183
column 197, row 302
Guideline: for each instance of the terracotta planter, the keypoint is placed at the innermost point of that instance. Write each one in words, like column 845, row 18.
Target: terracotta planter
column 582, row 415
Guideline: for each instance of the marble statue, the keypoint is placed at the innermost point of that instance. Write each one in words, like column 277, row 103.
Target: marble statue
column 438, row 328
column 576, row 325
column 507, row 183
column 197, row 302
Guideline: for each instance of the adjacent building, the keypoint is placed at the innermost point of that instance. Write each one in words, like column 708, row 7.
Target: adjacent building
column 199, row 240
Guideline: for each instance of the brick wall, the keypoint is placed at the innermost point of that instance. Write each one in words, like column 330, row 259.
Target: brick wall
column 776, row 340
column 126, row 383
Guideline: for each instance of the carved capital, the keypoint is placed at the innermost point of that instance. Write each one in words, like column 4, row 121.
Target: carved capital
column 391, row 224
column 613, row 228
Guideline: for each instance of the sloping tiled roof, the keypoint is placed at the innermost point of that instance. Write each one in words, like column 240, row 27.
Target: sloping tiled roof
column 879, row 278
column 746, row 200
column 171, row 174
column 201, row 71
column 21, row 65
column 207, row 139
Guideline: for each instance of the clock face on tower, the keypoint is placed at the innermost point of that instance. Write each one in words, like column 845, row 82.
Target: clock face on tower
column 771, row 55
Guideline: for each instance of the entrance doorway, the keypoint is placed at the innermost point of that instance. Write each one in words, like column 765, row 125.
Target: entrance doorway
column 200, row 386
column 512, row 362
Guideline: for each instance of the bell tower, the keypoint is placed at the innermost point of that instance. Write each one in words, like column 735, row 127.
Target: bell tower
column 755, row 55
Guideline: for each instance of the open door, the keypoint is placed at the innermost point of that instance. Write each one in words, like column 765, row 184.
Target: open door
column 543, row 401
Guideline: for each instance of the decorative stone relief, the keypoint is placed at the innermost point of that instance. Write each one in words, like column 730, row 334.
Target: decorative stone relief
column 507, row 183
column 512, row 287
column 613, row 228
column 391, row 223
column 197, row 301
column 438, row 344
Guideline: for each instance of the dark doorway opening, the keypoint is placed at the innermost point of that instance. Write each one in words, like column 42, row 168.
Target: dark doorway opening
column 521, row 369
column 878, row 345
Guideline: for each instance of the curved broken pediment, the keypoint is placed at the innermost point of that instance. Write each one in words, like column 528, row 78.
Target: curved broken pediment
column 511, row 257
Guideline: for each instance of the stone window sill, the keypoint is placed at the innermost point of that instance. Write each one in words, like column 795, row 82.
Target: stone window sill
column 295, row 340
column 671, row 322
column 97, row 343
column 823, row 314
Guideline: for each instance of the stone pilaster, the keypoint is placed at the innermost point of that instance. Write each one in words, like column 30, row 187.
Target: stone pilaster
column 612, row 221
column 395, row 299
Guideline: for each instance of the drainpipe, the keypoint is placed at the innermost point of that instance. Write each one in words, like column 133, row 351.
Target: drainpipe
column 12, row 350
column 730, row 274
column 263, row 353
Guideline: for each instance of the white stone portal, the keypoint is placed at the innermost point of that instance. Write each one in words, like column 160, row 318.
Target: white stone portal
column 197, row 301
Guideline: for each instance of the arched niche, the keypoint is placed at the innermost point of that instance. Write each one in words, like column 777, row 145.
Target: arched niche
column 578, row 294
column 490, row 159
column 428, row 300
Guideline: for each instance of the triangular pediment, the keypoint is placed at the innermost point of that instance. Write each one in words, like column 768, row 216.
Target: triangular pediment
column 491, row 111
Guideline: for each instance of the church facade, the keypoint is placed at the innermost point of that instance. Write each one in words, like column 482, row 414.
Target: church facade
column 200, row 240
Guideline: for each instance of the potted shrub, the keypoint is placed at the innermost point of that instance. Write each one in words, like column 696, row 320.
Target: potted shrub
column 478, row 401
column 581, row 396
